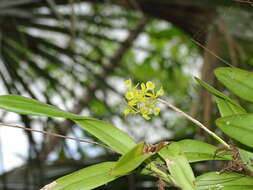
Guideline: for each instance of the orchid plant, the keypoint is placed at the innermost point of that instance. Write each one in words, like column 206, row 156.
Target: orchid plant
column 169, row 162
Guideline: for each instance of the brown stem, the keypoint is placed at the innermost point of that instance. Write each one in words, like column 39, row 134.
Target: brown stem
column 194, row 121
column 53, row 134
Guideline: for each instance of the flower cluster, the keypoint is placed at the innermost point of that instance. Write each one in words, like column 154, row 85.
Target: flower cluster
column 142, row 100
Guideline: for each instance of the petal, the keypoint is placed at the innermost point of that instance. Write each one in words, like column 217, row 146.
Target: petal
column 128, row 83
column 129, row 95
column 157, row 111
column 150, row 85
column 126, row 111
column 146, row 116
column 143, row 87
column 160, row 92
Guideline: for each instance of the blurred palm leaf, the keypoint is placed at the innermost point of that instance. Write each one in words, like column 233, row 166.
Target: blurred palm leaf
column 39, row 45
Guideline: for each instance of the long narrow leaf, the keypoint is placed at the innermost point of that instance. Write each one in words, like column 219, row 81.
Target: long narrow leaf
column 178, row 166
column 226, row 108
column 238, row 81
column 85, row 179
column 196, row 151
column 224, row 181
column 247, row 158
column 226, row 105
column 28, row 106
column 108, row 134
column 131, row 160
column 238, row 127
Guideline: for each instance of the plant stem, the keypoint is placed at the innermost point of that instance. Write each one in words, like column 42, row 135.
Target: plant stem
column 54, row 134
column 194, row 121
column 166, row 177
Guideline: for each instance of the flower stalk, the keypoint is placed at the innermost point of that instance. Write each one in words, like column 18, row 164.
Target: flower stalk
column 143, row 100
column 194, row 121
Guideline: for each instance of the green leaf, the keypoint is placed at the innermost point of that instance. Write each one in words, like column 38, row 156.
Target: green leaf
column 131, row 160
column 224, row 181
column 226, row 108
column 238, row 81
column 238, row 127
column 226, row 105
column 28, row 106
column 196, row 151
column 178, row 166
column 247, row 158
column 105, row 132
column 151, row 168
column 85, row 179
column 109, row 134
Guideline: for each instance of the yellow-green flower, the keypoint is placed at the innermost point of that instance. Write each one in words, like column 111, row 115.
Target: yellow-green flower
column 150, row 85
column 143, row 87
column 129, row 95
column 128, row 83
column 127, row 111
column 145, row 116
column 142, row 100
column 160, row 92
column 157, row 111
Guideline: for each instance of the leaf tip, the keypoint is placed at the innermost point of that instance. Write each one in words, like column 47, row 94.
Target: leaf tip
column 196, row 78
column 49, row 186
column 220, row 70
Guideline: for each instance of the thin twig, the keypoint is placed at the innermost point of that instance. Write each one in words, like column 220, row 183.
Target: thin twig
column 212, row 53
column 54, row 134
column 194, row 121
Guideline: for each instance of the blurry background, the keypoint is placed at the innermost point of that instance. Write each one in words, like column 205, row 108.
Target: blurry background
column 76, row 54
